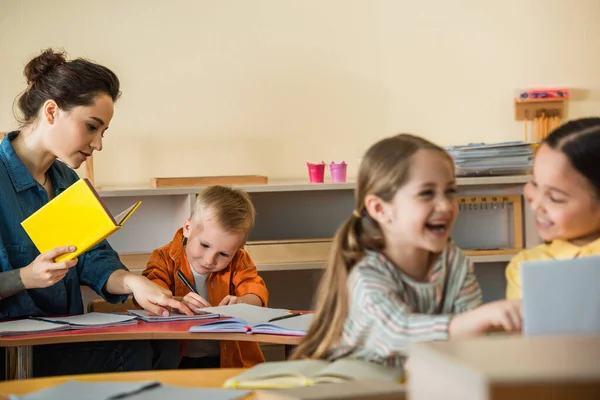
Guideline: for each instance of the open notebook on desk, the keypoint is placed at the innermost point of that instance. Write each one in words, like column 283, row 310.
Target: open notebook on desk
column 54, row 324
column 198, row 315
column 287, row 374
column 247, row 318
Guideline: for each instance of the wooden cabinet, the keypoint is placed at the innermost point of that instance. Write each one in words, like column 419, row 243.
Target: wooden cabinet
column 298, row 220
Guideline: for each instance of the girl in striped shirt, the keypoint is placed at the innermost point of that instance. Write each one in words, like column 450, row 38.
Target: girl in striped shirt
column 393, row 275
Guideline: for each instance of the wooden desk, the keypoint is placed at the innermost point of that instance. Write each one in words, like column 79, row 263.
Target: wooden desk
column 19, row 348
column 503, row 367
column 205, row 378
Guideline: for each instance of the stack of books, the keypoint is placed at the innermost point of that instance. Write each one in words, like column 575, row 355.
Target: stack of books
column 507, row 158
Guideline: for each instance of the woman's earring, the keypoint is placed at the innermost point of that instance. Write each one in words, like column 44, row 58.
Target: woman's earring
column 184, row 241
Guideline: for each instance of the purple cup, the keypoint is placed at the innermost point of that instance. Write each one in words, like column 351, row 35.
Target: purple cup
column 338, row 171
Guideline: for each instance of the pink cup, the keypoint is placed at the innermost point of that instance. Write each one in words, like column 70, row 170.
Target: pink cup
column 316, row 172
column 338, row 171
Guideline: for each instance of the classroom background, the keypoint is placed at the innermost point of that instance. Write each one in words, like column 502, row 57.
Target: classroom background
column 233, row 87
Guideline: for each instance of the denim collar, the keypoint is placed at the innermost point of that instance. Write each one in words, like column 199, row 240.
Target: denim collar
column 19, row 174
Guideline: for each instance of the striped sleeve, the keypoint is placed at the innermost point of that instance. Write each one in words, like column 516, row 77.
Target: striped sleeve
column 469, row 293
column 384, row 312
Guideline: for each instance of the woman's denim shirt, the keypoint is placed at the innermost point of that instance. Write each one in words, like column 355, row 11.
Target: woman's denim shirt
column 21, row 196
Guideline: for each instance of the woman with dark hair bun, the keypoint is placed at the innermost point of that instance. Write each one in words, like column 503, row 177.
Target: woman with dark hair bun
column 65, row 112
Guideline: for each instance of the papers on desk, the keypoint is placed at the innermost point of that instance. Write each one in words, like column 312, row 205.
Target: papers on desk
column 166, row 392
column 200, row 314
column 54, row 324
column 252, row 319
column 91, row 320
column 149, row 390
column 75, row 390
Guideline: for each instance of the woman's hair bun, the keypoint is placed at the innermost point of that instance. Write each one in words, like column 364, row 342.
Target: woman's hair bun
column 42, row 64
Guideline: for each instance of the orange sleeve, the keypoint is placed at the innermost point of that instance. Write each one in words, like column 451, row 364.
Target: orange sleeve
column 157, row 270
column 246, row 280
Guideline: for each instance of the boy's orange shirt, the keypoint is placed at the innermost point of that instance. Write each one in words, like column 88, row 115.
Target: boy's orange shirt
column 238, row 279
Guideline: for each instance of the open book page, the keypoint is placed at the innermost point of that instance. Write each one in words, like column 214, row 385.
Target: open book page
column 91, row 320
column 122, row 217
column 346, row 369
column 251, row 314
column 354, row 390
column 25, row 326
column 279, row 374
column 231, row 325
column 288, row 326
column 143, row 315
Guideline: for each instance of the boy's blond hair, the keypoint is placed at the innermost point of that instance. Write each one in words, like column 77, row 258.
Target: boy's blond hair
column 231, row 208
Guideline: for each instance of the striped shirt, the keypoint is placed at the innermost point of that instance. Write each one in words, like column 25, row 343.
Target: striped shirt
column 388, row 309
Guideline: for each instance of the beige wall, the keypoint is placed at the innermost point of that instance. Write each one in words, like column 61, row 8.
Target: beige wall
column 261, row 86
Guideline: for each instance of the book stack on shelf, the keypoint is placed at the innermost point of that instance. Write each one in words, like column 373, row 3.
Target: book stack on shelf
column 507, row 158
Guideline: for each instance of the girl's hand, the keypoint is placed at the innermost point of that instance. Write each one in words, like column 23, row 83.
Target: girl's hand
column 194, row 300
column 154, row 298
column 227, row 300
column 44, row 272
column 504, row 314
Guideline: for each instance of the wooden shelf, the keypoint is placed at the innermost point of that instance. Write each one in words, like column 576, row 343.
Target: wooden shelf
column 531, row 108
column 295, row 208
column 200, row 181
column 135, row 263
column 492, row 258
column 292, row 186
column 267, row 252
column 496, row 252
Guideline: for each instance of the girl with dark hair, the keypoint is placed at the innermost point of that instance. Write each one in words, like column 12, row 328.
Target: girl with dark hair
column 564, row 195
column 65, row 111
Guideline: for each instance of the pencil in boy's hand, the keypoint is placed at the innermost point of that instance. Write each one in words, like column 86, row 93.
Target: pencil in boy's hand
column 285, row 316
column 186, row 282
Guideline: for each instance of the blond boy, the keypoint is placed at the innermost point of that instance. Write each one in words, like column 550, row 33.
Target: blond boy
column 208, row 250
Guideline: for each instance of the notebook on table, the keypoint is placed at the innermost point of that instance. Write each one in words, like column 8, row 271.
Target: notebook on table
column 561, row 296
column 112, row 390
column 288, row 374
column 363, row 389
column 246, row 318
column 198, row 315
column 55, row 324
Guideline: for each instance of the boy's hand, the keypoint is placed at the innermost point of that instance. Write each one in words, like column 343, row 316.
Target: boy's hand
column 194, row 300
column 227, row 300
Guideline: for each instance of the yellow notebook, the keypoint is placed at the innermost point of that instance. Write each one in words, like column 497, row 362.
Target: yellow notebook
column 76, row 217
